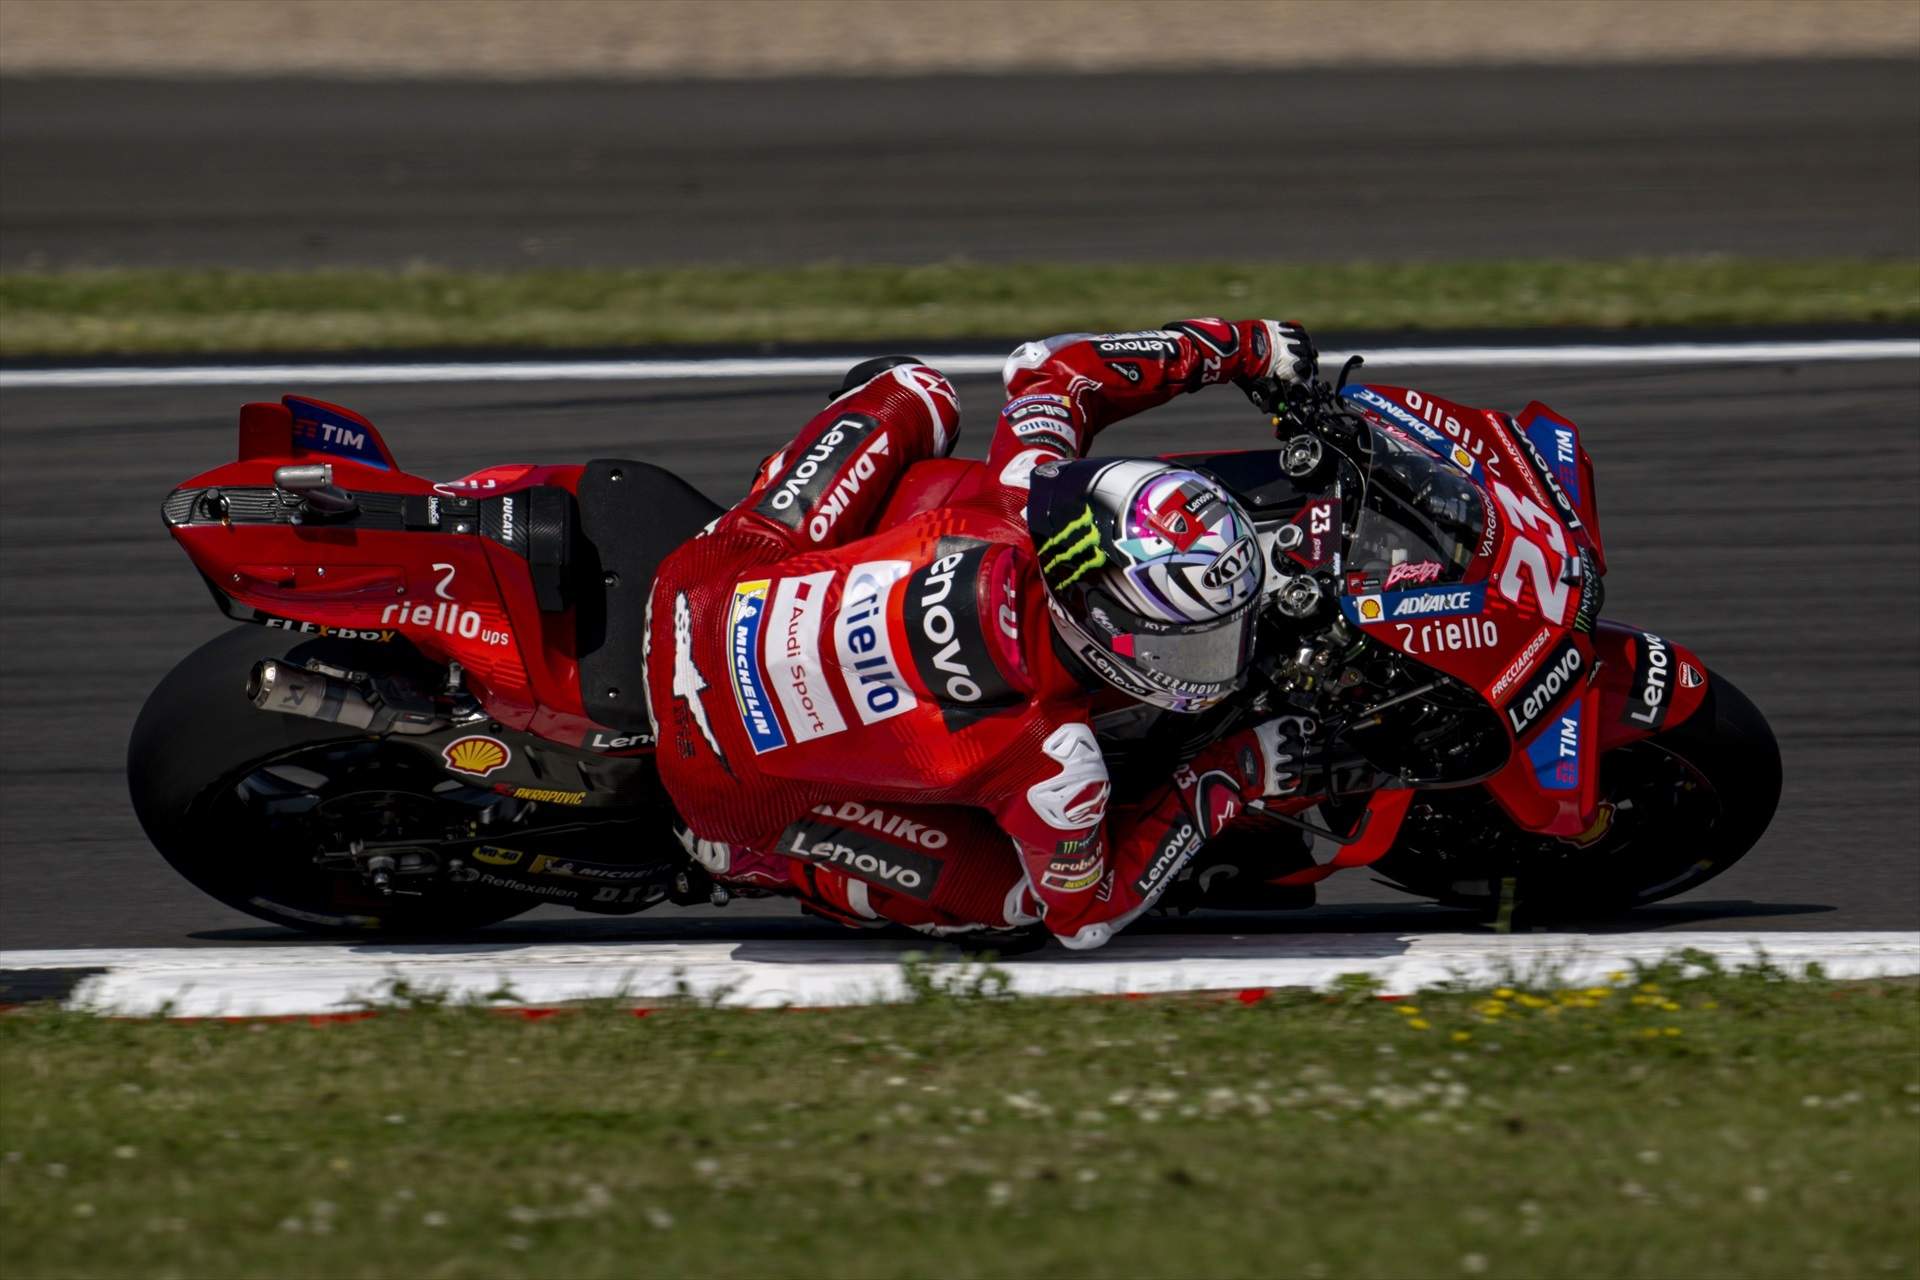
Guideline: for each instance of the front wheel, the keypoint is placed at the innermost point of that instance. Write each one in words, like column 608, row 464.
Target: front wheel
column 242, row 802
column 1676, row 810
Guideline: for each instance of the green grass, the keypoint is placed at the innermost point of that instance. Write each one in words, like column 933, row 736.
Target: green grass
column 149, row 312
column 1737, row 1126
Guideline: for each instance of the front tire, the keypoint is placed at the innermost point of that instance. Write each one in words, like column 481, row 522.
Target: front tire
column 218, row 786
column 1679, row 808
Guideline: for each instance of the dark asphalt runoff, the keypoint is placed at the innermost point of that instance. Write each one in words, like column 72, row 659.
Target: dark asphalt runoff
column 1764, row 516
column 1776, row 159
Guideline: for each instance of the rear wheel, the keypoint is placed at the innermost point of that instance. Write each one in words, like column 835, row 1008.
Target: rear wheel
column 1677, row 809
column 241, row 801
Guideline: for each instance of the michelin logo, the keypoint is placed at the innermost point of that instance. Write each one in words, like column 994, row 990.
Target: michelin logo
column 744, row 624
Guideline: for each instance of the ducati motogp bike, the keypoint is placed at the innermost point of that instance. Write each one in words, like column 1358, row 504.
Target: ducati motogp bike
column 435, row 716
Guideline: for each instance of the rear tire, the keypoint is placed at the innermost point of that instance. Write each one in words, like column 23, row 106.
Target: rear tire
column 198, row 739
column 1688, row 803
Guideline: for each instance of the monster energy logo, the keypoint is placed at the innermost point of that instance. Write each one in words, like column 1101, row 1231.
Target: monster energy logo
column 1072, row 553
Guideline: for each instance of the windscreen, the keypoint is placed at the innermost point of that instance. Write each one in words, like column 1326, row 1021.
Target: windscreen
column 1420, row 520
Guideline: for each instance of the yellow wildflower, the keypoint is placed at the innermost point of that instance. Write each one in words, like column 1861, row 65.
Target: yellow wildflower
column 1650, row 1032
column 1669, row 1006
column 1419, row 1024
column 1461, row 1037
column 1670, row 1031
column 1407, row 1010
column 1503, row 993
column 1598, row 993
column 1651, row 988
column 1618, row 975
column 1532, row 1002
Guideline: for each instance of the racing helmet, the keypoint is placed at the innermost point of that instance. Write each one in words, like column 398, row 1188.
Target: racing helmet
column 1152, row 575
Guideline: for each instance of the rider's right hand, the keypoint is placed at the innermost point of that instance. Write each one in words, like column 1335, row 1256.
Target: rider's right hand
column 1292, row 361
column 1294, row 358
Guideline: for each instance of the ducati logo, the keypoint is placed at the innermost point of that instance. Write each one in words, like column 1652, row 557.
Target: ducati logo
column 477, row 755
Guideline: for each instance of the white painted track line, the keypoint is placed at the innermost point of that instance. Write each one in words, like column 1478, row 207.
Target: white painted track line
column 1591, row 355
column 271, row 980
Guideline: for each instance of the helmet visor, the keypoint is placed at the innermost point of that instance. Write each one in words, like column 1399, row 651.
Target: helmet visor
column 1197, row 664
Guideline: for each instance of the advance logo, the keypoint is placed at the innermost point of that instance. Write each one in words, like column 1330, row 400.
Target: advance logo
column 1420, row 603
column 1399, row 415
column 1559, row 675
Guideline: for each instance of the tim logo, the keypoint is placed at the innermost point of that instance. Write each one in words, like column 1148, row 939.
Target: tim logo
column 319, row 428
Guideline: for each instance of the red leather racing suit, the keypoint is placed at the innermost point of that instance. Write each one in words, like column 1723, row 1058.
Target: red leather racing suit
column 883, row 708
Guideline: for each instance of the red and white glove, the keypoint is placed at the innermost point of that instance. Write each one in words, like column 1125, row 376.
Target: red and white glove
column 1290, row 361
column 1291, row 355
column 1253, row 766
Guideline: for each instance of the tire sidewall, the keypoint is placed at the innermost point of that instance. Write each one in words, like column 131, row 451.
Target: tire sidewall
column 198, row 731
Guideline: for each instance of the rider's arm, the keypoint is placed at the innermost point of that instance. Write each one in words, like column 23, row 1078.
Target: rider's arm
column 1062, row 391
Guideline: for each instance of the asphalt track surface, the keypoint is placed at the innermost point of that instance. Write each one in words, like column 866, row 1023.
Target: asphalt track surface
column 1783, row 159
column 1764, row 516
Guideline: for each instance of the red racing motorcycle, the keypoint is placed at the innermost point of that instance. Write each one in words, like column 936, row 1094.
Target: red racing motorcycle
column 437, row 718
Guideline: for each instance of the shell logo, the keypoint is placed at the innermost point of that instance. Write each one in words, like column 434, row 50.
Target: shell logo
column 1463, row 459
column 1370, row 609
column 478, row 756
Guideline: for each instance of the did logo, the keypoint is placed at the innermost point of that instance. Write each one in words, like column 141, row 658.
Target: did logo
column 477, row 755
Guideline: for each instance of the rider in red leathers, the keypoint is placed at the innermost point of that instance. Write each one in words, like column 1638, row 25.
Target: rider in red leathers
column 893, row 723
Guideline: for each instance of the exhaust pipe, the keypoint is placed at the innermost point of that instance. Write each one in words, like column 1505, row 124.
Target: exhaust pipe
column 280, row 686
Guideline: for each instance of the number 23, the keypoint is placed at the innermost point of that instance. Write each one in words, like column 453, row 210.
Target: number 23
column 1525, row 556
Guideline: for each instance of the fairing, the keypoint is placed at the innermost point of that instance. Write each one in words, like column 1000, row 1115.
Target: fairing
column 1514, row 615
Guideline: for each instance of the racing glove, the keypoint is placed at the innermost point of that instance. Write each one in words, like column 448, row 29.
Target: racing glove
column 1292, row 361
column 1245, row 771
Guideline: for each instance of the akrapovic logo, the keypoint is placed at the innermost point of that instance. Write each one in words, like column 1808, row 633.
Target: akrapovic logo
column 1542, row 693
